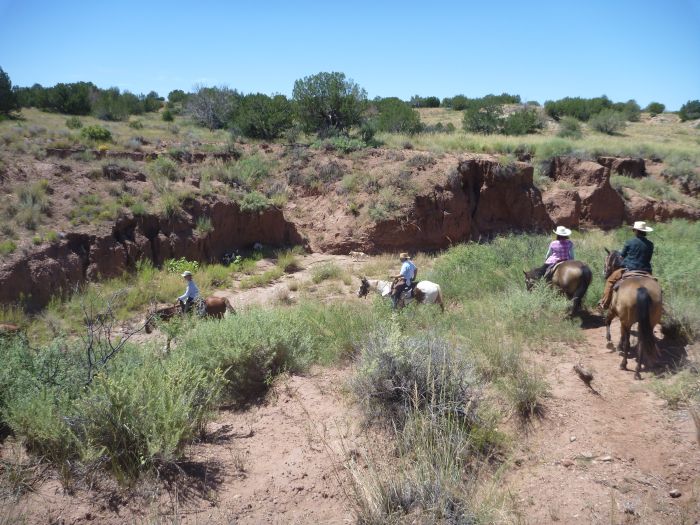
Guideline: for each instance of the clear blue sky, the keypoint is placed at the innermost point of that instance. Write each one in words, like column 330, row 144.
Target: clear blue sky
column 646, row 50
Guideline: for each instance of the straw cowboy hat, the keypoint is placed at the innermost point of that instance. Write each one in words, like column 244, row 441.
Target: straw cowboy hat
column 642, row 227
column 187, row 273
column 561, row 230
column 403, row 255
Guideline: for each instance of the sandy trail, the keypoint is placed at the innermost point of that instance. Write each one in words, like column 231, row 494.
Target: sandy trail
column 610, row 457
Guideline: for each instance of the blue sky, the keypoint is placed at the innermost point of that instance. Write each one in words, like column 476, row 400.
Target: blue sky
column 646, row 50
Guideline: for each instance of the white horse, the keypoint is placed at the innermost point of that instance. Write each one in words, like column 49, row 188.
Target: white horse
column 425, row 292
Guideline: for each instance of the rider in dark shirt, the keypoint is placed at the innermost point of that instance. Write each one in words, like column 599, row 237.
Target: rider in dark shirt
column 636, row 255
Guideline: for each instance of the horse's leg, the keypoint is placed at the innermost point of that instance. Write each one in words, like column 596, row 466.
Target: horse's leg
column 624, row 345
column 608, row 321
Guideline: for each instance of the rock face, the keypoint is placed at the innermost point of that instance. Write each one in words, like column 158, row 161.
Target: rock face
column 600, row 204
column 641, row 208
column 57, row 269
column 631, row 167
column 564, row 207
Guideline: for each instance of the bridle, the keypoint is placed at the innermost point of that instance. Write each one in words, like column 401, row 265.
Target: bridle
column 613, row 261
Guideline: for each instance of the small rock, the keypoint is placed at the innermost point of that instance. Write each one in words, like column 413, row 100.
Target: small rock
column 572, row 439
column 606, row 458
column 675, row 493
column 567, row 462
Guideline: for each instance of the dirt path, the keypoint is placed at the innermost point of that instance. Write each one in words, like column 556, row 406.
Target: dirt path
column 610, row 457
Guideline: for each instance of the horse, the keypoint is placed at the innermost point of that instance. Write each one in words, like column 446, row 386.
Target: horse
column 212, row 306
column 636, row 299
column 424, row 292
column 571, row 277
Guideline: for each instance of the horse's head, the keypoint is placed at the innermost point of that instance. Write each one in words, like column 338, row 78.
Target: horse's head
column 530, row 279
column 364, row 287
column 613, row 261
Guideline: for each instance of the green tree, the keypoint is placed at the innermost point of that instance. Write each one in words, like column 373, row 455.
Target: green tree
column 177, row 96
column 263, row 117
column 328, row 102
column 655, row 108
column 8, row 98
column 486, row 120
column 608, row 121
column 397, row 116
column 522, row 122
column 690, row 110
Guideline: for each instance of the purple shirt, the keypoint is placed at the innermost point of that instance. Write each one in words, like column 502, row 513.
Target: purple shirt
column 559, row 251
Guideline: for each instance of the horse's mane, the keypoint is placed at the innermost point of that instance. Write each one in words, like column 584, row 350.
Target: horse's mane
column 538, row 272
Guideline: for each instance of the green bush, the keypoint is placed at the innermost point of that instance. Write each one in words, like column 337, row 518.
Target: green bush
column 254, row 202
column 630, row 110
column 74, row 123
column 328, row 102
column 608, row 121
column 569, row 127
column 7, row 247
column 180, row 265
column 8, row 97
column 580, row 108
column 396, row 116
column 486, row 120
column 166, row 168
column 690, row 110
column 655, row 108
column 96, row 133
column 167, row 115
column 262, row 117
column 522, row 122
column 249, row 171
column 325, row 272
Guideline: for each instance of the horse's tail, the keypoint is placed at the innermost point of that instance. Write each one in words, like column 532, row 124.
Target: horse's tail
column 438, row 299
column 229, row 306
column 647, row 343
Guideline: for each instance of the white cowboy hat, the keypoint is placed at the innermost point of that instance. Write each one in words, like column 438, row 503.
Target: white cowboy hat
column 642, row 227
column 186, row 273
column 403, row 255
column 561, row 230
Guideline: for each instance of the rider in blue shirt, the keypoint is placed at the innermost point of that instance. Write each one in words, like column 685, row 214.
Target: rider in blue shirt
column 404, row 279
column 191, row 293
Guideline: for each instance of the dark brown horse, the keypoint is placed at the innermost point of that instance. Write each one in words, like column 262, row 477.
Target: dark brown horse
column 212, row 306
column 637, row 299
column 571, row 277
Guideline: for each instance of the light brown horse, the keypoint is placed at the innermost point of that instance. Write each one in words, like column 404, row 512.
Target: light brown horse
column 571, row 277
column 213, row 306
column 639, row 300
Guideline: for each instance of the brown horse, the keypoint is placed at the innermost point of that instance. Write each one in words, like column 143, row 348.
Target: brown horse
column 637, row 299
column 571, row 277
column 212, row 306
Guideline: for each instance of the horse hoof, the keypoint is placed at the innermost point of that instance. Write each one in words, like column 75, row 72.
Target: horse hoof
column 610, row 346
column 623, row 367
column 638, row 377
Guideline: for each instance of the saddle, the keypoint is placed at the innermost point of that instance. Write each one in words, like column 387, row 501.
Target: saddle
column 628, row 274
column 550, row 271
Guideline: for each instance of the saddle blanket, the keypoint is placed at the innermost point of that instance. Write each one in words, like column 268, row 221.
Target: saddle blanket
column 628, row 274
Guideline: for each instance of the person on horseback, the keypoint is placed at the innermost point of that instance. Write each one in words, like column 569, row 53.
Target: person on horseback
column 404, row 279
column 187, row 299
column 560, row 249
column 636, row 255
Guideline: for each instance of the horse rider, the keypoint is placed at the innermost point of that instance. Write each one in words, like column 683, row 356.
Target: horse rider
column 560, row 249
column 187, row 299
column 404, row 279
column 636, row 255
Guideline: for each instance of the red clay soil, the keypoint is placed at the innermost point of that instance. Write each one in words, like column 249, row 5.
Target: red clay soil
column 278, row 462
column 609, row 456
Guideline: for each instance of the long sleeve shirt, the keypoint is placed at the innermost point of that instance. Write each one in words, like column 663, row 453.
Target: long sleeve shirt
column 559, row 251
column 408, row 270
column 191, row 292
column 637, row 254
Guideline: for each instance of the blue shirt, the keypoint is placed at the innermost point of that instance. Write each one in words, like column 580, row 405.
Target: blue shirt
column 408, row 270
column 191, row 292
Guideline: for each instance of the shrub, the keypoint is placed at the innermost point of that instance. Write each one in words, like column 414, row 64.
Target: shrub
column 33, row 204
column 262, row 117
column 580, row 108
column 74, row 123
column 629, row 109
column 96, row 133
column 486, row 120
column 608, row 121
column 655, row 108
column 522, row 122
column 204, row 225
column 690, row 110
column 8, row 98
column 328, row 102
column 165, row 168
column 167, row 115
column 288, row 261
column 569, row 127
column 254, row 202
column 325, row 272
column 396, row 116
column 180, row 265
column 249, row 171
column 7, row 247
column 212, row 107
